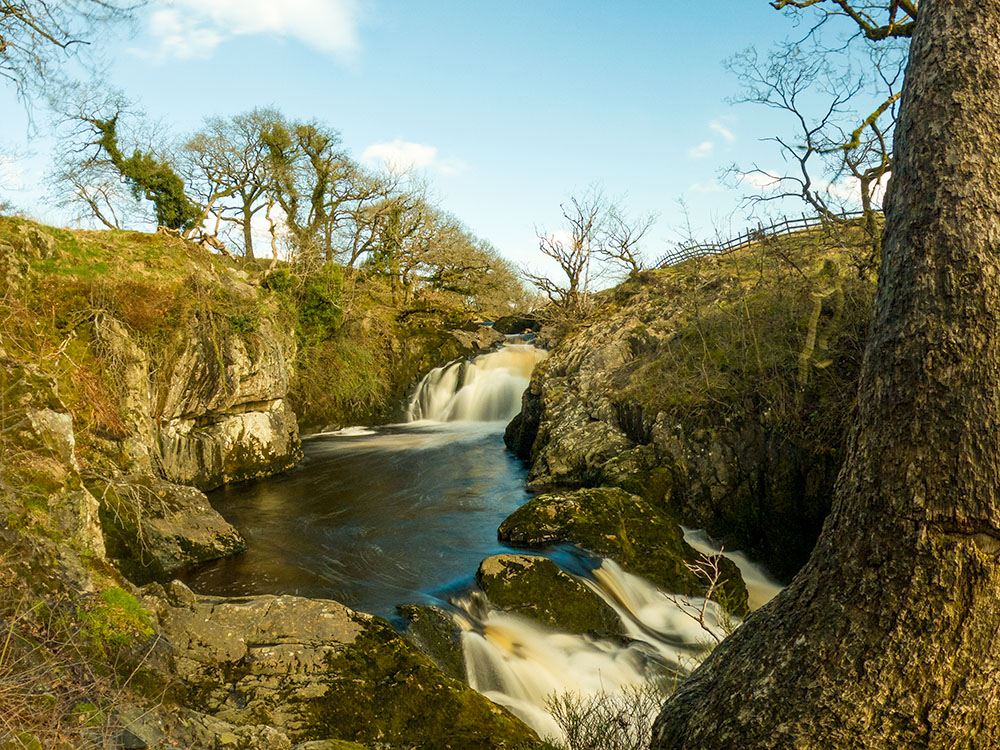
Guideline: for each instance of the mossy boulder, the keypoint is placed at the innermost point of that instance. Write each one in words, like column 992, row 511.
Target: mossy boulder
column 435, row 632
column 535, row 587
column 153, row 528
column 316, row 670
column 613, row 523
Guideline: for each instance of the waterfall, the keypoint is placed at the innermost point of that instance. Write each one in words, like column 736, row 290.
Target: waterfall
column 521, row 664
column 487, row 389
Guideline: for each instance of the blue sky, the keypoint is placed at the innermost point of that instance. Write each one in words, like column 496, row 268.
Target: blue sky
column 508, row 108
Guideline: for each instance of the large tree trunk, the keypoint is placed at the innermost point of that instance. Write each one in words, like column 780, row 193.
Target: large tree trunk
column 890, row 636
column 247, row 232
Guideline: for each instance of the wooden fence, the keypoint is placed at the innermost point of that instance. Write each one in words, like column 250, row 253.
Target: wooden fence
column 749, row 237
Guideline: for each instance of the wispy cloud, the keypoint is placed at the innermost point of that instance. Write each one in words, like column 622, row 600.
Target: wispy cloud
column 402, row 156
column 189, row 29
column 762, row 179
column 708, row 146
column 702, row 150
column 721, row 129
column 11, row 173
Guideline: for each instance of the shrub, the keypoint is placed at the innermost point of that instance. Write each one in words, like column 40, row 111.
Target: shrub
column 321, row 310
column 609, row 721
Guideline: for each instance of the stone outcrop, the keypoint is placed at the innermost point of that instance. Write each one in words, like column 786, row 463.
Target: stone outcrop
column 535, row 587
column 612, row 523
column 223, row 416
column 39, row 457
column 435, row 632
column 215, row 409
column 316, row 670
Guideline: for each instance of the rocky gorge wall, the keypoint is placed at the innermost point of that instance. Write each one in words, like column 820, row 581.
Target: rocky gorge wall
column 718, row 389
column 137, row 371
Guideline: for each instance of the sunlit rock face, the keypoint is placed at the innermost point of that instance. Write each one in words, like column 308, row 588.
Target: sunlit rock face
column 662, row 392
column 221, row 415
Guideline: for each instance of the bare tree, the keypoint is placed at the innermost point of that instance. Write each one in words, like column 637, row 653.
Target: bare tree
column 84, row 176
column 35, row 35
column 227, row 162
column 621, row 245
column 836, row 164
column 572, row 249
column 875, row 20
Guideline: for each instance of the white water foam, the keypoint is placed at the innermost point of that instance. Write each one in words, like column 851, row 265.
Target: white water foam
column 521, row 664
column 761, row 587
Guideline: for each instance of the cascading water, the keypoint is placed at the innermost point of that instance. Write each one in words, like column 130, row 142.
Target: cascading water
column 522, row 665
column 487, row 389
column 433, row 494
column 761, row 588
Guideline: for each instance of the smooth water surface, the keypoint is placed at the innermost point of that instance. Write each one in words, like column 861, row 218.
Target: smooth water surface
column 372, row 518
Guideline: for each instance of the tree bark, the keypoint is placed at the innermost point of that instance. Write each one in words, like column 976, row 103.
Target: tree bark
column 890, row 635
column 247, row 231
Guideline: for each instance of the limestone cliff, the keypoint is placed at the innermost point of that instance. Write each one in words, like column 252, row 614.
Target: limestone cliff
column 718, row 389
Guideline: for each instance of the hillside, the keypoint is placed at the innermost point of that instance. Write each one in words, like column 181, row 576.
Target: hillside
column 719, row 388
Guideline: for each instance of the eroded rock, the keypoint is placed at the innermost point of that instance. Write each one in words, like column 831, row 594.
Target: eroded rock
column 314, row 669
column 154, row 528
column 435, row 632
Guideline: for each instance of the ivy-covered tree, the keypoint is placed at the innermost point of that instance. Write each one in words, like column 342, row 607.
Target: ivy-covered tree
column 150, row 177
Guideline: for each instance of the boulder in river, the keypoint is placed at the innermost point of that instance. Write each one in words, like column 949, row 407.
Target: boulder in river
column 613, row 523
column 535, row 587
column 153, row 528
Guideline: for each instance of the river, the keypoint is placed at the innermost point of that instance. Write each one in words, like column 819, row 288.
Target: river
column 404, row 514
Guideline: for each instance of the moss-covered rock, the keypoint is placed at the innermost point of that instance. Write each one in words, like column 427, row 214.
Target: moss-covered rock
column 436, row 633
column 612, row 523
column 153, row 528
column 315, row 669
column 535, row 587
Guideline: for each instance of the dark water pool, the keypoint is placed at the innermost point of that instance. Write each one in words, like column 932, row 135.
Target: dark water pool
column 400, row 516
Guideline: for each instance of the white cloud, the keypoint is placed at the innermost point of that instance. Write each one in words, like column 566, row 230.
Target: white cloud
column 11, row 173
column 702, row 150
column 849, row 189
column 560, row 237
column 722, row 130
column 194, row 28
column 401, row 156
